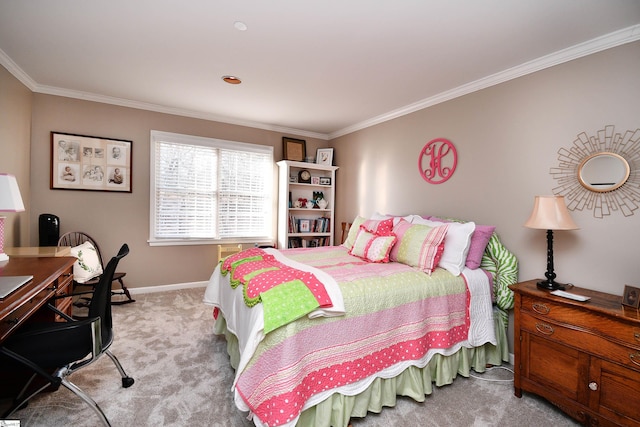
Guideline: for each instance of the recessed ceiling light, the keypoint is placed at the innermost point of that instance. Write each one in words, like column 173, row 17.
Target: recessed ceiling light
column 240, row 26
column 232, row 80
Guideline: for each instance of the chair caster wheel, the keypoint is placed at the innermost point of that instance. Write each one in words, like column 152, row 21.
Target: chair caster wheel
column 127, row 382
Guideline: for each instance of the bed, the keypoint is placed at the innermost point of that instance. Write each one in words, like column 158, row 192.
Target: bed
column 401, row 305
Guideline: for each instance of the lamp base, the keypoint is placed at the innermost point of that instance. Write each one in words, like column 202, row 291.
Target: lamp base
column 550, row 285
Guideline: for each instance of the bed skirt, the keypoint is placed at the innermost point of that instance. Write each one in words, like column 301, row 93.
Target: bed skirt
column 413, row 382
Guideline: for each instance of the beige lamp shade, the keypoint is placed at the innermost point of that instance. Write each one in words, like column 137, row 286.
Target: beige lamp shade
column 550, row 213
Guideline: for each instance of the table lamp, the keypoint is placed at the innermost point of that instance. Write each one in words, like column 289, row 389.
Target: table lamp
column 550, row 213
column 10, row 201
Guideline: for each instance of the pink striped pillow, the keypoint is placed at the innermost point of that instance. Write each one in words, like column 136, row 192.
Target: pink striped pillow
column 419, row 245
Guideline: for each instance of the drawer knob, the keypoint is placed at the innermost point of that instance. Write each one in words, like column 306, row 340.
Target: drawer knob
column 636, row 335
column 593, row 386
column 635, row 358
column 540, row 308
column 545, row 329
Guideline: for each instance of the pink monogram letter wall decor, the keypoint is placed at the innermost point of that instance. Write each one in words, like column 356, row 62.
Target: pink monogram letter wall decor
column 437, row 161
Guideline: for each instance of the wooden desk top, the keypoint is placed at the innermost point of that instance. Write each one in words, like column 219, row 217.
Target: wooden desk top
column 38, row 251
column 18, row 306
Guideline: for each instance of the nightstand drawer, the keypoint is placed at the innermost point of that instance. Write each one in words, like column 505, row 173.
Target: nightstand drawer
column 578, row 318
column 583, row 340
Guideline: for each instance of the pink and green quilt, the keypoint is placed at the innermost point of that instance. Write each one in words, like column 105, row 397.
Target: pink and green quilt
column 393, row 314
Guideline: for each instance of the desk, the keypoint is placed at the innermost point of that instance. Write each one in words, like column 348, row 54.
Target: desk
column 52, row 276
column 38, row 251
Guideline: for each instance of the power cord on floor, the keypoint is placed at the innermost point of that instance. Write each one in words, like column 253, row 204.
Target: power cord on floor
column 491, row 379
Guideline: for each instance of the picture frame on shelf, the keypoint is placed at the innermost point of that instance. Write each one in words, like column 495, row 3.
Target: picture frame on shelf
column 81, row 162
column 325, row 180
column 305, row 225
column 315, row 180
column 324, row 156
column 631, row 297
column 294, row 149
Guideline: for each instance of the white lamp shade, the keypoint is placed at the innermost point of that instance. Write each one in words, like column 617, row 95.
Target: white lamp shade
column 550, row 213
column 10, row 199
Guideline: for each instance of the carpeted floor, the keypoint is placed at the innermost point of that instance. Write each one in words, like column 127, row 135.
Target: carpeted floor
column 183, row 378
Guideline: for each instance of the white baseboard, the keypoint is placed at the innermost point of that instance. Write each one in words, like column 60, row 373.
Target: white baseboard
column 163, row 288
column 512, row 359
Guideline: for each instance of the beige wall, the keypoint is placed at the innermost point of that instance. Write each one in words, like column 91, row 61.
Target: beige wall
column 15, row 149
column 507, row 138
column 116, row 218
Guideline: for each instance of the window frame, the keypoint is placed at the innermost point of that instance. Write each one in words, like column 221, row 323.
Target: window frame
column 161, row 136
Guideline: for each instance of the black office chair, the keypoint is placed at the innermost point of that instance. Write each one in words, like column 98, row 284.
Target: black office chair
column 65, row 347
column 76, row 238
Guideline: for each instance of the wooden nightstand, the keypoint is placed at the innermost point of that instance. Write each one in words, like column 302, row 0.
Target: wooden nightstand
column 584, row 357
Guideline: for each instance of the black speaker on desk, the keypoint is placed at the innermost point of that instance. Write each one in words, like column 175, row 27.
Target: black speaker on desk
column 49, row 230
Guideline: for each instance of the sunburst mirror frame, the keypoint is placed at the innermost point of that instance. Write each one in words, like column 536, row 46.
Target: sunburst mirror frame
column 623, row 198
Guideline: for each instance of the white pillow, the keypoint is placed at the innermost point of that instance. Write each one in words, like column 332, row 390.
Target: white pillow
column 456, row 243
column 396, row 219
column 88, row 264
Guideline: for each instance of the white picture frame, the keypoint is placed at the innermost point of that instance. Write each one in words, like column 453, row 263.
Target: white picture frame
column 324, row 156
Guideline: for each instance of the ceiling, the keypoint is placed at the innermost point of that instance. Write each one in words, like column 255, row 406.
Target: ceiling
column 316, row 68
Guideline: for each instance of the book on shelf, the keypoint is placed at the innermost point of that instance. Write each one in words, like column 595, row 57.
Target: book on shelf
column 305, row 225
column 299, row 242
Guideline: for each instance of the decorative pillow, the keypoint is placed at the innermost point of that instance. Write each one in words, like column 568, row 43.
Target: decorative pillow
column 399, row 229
column 396, row 219
column 419, row 245
column 371, row 246
column 383, row 227
column 88, row 264
column 456, row 244
column 353, row 232
column 479, row 240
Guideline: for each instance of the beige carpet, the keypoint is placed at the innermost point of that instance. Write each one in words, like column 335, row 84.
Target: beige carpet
column 183, row 378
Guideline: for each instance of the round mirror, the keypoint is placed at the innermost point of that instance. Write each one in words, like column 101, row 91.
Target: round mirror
column 603, row 172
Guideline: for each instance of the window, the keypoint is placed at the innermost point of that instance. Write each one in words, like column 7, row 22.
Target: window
column 207, row 190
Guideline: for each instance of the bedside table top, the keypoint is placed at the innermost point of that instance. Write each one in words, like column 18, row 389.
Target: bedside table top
column 602, row 302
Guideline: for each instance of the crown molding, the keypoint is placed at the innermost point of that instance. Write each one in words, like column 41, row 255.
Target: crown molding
column 614, row 39
column 16, row 71
column 617, row 38
column 122, row 102
column 24, row 78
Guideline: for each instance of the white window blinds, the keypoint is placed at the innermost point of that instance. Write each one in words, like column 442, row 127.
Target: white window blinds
column 209, row 190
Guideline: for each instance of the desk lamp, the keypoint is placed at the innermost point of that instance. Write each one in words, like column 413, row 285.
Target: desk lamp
column 550, row 213
column 10, row 201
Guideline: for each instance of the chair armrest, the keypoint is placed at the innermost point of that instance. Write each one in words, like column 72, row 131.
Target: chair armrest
column 64, row 315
